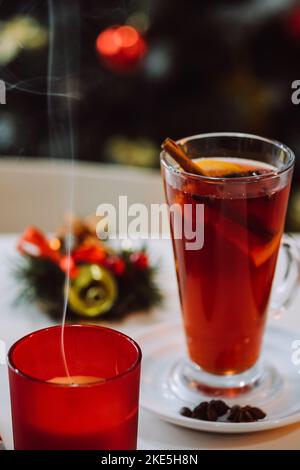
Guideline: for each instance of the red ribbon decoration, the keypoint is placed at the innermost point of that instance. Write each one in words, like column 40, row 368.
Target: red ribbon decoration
column 89, row 254
column 34, row 243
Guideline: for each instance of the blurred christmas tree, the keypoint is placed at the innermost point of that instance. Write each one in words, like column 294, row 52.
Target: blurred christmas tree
column 178, row 68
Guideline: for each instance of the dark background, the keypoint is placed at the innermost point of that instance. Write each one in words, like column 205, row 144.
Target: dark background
column 210, row 65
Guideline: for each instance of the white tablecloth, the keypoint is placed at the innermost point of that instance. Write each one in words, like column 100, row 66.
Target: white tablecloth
column 153, row 433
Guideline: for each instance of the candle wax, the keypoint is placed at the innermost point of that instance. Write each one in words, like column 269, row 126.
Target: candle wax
column 75, row 380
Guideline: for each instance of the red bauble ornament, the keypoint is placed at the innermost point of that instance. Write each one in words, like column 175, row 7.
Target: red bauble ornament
column 140, row 260
column 120, row 47
column 116, row 265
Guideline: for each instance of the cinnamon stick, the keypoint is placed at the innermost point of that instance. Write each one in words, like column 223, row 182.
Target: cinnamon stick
column 173, row 149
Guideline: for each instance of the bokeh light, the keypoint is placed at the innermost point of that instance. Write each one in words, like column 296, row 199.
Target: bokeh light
column 121, row 47
column 293, row 23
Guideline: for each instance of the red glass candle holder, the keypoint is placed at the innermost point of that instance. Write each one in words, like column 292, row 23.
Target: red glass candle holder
column 98, row 415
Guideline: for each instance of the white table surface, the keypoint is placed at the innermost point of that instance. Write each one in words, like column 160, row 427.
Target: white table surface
column 15, row 322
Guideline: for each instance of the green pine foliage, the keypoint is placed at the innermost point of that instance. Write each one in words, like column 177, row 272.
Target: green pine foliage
column 42, row 282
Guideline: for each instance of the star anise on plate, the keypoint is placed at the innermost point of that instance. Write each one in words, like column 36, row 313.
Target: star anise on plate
column 214, row 409
column 245, row 414
column 207, row 411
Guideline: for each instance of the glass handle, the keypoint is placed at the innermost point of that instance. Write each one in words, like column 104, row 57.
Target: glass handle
column 284, row 294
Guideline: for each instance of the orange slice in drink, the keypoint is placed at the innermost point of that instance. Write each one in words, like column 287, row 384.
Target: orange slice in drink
column 259, row 251
column 214, row 167
column 262, row 253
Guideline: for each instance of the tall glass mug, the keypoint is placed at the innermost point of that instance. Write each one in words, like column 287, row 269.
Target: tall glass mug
column 225, row 282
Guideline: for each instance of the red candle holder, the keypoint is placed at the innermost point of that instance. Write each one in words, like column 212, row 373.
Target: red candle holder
column 100, row 414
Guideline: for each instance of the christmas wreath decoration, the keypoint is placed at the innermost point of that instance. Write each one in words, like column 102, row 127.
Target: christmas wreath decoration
column 103, row 282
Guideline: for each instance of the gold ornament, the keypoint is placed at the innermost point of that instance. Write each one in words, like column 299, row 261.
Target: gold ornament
column 93, row 291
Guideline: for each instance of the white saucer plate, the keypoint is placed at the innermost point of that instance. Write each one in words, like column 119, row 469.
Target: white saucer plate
column 163, row 347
